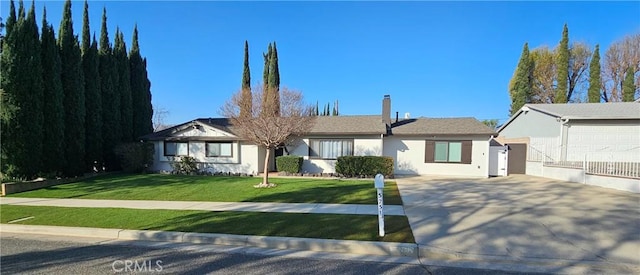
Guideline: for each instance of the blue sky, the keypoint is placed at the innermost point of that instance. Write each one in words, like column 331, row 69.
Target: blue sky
column 435, row 59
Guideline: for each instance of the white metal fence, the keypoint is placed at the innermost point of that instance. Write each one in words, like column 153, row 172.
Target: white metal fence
column 624, row 162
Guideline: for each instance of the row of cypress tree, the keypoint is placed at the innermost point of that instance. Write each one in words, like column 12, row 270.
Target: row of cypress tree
column 270, row 81
column 66, row 104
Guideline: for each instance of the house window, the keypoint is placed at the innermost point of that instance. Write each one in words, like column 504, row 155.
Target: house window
column 448, row 151
column 219, row 149
column 176, row 148
column 330, row 148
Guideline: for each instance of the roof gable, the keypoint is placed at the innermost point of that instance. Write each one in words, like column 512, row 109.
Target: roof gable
column 582, row 111
column 195, row 129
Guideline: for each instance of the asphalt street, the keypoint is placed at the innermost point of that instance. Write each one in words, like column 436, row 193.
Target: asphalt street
column 30, row 254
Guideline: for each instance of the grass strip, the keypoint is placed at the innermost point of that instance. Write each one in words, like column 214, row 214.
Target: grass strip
column 219, row 188
column 322, row 226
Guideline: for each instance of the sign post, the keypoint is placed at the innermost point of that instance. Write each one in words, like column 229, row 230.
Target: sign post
column 379, row 184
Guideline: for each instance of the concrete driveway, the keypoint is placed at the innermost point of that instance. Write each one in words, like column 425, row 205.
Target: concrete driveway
column 568, row 227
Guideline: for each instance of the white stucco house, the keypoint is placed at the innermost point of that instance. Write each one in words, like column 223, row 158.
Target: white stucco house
column 568, row 132
column 429, row 146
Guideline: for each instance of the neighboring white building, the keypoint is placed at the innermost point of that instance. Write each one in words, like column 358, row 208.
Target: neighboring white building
column 427, row 146
column 569, row 132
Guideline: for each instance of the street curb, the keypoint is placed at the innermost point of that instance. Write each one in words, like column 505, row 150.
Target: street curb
column 303, row 244
column 422, row 253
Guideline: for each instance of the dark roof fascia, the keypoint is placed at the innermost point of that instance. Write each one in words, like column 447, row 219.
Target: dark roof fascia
column 344, row 134
column 198, row 138
column 164, row 132
column 444, row 135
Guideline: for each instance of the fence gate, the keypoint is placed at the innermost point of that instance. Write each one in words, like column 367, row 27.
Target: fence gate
column 517, row 158
column 498, row 161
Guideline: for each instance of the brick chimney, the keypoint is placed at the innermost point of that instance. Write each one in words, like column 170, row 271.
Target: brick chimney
column 386, row 110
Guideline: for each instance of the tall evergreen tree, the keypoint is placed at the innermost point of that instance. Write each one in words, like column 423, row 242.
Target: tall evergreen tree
column 246, row 106
column 110, row 97
column 522, row 85
column 563, row 67
column 628, row 85
column 93, row 96
column 267, row 61
column 266, row 92
column 21, row 13
column 274, row 80
column 8, row 83
column 22, row 83
column 140, row 90
column 74, row 102
column 124, row 87
column 595, row 77
column 11, row 20
column 147, row 116
column 53, row 156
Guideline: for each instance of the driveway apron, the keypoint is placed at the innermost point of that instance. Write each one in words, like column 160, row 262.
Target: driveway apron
column 522, row 218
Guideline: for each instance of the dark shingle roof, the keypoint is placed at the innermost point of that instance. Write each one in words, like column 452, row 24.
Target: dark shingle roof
column 440, row 126
column 355, row 125
column 327, row 125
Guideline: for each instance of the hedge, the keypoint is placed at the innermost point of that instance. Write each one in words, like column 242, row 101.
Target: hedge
column 289, row 164
column 135, row 157
column 369, row 166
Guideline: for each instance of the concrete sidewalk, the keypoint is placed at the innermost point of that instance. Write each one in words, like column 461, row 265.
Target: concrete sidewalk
column 315, row 208
column 524, row 220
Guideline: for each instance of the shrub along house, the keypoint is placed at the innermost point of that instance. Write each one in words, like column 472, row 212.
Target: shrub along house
column 425, row 146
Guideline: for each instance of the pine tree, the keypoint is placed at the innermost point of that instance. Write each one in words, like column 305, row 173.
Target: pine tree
column 628, row 85
column 22, row 83
column 73, row 87
column 93, row 97
column 317, row 113
column 246, row 106
column 522, row 85
column 110, row 97
column 274, row 80
column 124, row 87
column 563, row 67
column 53, row 156
column 595, row 78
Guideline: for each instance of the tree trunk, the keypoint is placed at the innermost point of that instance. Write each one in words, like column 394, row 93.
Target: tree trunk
column 265, row 177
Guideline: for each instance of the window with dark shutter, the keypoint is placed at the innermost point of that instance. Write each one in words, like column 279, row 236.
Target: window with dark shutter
column 429, row 154
column 448, row 151
column 466, row 151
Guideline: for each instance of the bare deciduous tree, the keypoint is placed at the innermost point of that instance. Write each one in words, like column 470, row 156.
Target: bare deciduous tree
column 266, row 128
column 619, row 57
column 579, row 57
column 159, row 116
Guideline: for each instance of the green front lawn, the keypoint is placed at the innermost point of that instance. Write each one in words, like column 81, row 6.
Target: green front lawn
column 218, row 188
column 324, row 226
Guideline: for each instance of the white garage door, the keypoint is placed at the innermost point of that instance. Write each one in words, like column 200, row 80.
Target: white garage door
column 604, row 142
